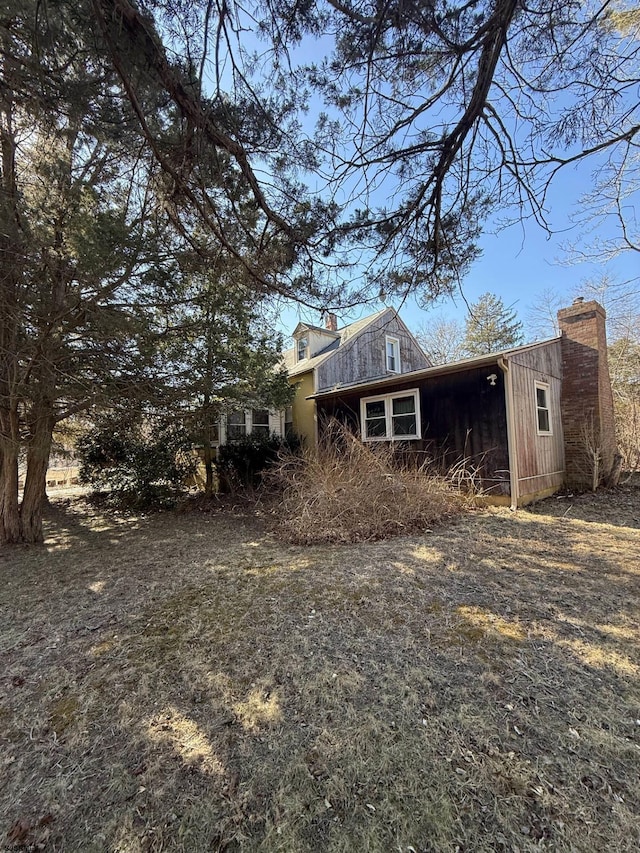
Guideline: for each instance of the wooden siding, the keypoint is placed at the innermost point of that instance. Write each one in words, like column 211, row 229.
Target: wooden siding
column 276, row 423
column 463, row 417
column 540, row 457
column 364, row 357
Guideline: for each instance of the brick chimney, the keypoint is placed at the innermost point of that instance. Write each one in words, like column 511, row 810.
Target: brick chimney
column 587, row 401
column 331, row 322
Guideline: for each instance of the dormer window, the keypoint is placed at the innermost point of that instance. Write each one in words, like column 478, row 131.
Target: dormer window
column 302, row 348
column 392, row 350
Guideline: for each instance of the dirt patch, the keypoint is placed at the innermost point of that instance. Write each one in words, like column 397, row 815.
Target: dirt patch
column 185, row 682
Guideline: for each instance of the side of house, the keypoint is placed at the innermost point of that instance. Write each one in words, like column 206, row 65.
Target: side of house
column 377, row 346
column 518, row 421
column 534, row 384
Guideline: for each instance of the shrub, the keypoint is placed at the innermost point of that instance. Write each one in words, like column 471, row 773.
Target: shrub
column 241, row 463
column 348, row 491
column 142, row 464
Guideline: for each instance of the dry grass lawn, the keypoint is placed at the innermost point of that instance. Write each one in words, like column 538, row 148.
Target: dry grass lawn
column 188, row 683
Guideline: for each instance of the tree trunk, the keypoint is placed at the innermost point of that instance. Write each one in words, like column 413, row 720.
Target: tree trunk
column 10, row 532
column 207, row 425
column 207, row 453
column 35, row 488
column 11, row 264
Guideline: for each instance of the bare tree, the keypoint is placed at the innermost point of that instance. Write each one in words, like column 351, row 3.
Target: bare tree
column 442, row 339
column 620, row 299
column 542, row 315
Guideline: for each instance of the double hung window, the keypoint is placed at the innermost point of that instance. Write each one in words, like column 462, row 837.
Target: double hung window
column 288, row 422
column 242, row 422
column 302, row 348
column 236, row 424
column 260, row 422
column 542, row 408
column 391, row 417
column 392, row 354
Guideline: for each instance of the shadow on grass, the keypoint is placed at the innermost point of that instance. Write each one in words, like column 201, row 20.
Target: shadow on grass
column 619, row 507
column 477, row 688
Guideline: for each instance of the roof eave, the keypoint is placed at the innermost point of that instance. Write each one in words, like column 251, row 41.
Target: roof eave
column 428, row 372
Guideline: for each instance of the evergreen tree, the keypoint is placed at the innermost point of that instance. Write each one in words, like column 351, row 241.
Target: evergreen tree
column 217, row 350
column 91, row 241
column 79, row 218
column 491, row 327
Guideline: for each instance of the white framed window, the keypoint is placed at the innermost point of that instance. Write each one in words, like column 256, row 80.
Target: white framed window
column 392, row 354
column 391, row 417
column 543, row 413
column 302, row 348
column 236, row 424
column 241, row 422
column 260, row 421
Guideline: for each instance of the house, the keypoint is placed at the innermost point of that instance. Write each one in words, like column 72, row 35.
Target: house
column 526, row 420
column 377, row 346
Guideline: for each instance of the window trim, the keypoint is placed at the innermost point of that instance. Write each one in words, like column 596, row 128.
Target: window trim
column 395, row 343
column 388, row 414
column 262, row 425
column 247, row 426
column 302, row 339
column 542, row 386
column 229, row 425
column 287, row 422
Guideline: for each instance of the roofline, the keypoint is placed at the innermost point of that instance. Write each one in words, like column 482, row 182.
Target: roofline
column 322, row 356
column 437, row 370
column 311, row 328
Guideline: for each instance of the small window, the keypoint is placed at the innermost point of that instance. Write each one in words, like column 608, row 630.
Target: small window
column 214, row 432
column 302, row 348
column 542, row 409
column 392, row 417
column 392, row 349
column 260, row 422
column 236, row 424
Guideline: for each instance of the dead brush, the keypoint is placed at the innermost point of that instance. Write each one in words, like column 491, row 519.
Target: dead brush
column 348, row 491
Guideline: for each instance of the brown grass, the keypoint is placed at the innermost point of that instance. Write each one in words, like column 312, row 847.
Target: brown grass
column 348, row 491
column 188, row 683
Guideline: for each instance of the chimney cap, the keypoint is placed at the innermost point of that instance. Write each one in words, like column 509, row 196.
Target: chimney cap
column 578, row 300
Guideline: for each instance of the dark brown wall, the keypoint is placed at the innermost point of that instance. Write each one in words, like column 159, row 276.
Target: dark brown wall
column 463, row 416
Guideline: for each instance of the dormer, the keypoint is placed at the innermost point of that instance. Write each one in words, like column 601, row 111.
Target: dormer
column 310, row 340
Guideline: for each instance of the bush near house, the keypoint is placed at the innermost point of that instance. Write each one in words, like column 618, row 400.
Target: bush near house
column 348, row 491
column 141, row 465
column 242, row 462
